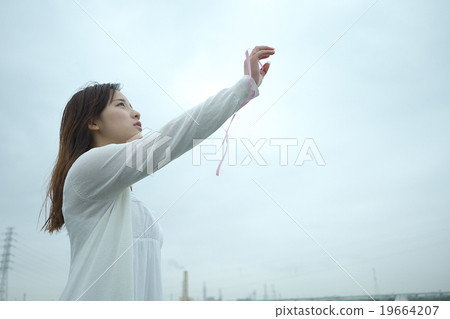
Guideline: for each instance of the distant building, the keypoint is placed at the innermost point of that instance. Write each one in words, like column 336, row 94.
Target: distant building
column 401, row 298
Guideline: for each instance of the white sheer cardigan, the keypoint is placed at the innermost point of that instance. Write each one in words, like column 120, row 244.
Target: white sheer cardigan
column 97, row 197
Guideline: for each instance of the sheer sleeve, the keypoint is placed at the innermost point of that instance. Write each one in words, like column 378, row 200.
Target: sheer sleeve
column 105, row 171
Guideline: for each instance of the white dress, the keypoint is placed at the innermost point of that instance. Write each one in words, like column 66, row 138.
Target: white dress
column 147, row 252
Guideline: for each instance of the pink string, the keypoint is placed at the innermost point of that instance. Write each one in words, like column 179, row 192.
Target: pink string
column 251, row 96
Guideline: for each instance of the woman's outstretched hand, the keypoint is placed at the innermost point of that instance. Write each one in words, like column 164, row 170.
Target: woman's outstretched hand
column 259, row 52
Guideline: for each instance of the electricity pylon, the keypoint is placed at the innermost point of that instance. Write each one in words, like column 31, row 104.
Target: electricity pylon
column 4, row 264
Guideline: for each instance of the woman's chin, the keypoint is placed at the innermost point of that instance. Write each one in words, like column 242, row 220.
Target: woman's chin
column 135, row 137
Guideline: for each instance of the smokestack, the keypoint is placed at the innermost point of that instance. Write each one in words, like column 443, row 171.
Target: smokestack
column 204, row 290
column 185, row 295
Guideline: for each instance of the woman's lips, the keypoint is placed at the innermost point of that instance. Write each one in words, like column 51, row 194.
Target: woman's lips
column 138, row 124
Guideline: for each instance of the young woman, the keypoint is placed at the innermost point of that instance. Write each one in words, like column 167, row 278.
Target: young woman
column 114, row 239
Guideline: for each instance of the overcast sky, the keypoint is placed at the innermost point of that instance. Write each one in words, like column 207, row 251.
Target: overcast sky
column 374, row 100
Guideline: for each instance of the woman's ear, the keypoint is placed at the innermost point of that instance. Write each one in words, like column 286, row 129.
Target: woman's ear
column 92, row 125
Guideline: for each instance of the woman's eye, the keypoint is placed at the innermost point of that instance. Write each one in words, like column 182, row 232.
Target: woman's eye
column 120, row 104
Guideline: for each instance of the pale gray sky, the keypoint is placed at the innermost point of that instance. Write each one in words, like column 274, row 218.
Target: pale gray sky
column 376, row 105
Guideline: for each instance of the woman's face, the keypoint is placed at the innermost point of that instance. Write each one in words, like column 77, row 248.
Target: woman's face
column 118, row 123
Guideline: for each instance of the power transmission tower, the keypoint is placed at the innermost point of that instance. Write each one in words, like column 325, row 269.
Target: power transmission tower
column 4, row 264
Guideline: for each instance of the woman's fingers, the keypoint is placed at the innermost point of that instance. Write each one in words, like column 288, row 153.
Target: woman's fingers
column 258, row 53
column 265, row 68
column 264, row 53
column 262, row 47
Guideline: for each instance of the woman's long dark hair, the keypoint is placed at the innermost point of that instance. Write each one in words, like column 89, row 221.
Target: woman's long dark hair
column 74, row 140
